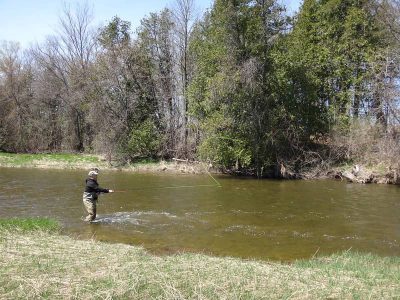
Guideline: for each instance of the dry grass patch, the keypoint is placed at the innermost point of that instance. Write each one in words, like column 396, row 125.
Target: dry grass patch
column 45, row 265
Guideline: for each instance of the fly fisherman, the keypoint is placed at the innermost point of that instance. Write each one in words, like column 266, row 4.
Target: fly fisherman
column 92, row 191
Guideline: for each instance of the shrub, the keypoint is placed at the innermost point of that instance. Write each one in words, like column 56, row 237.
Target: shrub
column 144, row 141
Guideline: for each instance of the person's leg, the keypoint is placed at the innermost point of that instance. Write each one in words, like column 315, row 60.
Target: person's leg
column 90, row 206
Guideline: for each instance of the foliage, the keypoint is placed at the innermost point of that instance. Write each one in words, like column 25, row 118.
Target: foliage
column 235, row 80
column 117, row 32
column 221, row 145
column 144, row 140
column 333, row 43
column 244, row 86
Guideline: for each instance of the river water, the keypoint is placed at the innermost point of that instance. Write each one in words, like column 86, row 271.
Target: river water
column 247, row 218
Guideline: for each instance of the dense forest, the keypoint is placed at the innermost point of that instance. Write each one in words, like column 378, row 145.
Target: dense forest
column 244, row 86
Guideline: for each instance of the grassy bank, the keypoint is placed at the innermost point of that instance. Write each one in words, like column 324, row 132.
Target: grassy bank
column 29, row 225
column 53, row 160
column 87, row 161
column 43, row 264
column 366, row 174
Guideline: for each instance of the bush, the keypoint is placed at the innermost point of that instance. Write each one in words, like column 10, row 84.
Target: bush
column 367, row 143
column 144, row 141
column 222, row 145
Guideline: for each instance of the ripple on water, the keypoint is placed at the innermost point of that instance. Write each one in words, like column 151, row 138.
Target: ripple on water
column 254, row 231
column 117, row 218
column 303, row 235
column 133, row 218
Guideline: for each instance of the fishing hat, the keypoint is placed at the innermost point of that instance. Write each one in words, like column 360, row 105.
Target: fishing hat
column 93, row 173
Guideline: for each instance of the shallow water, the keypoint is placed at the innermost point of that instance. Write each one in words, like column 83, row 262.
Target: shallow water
column 248, row 218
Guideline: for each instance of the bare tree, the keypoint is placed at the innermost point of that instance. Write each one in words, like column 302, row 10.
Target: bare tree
column 77, row 39
column 68, row 58
column 184, row 16
column 386, row 71
column 15, row 95
column 156, row 39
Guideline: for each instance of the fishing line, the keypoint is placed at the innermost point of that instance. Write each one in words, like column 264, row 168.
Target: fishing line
column 173, row 187
column 216, row 181
column 217, row 184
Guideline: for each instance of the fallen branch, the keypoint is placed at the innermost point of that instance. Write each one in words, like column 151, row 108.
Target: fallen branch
column 186, row 161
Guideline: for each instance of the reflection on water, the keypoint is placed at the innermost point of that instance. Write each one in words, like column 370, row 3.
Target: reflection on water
column 248, row 218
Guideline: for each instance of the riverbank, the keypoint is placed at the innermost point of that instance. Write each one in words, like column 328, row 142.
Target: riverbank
column 38, row 263
column 380, row 174
column 356, row 173
column 86, row 161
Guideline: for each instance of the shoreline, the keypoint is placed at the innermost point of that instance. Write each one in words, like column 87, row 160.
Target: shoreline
column 379, row 174
column 88, row 161
column 38, row 262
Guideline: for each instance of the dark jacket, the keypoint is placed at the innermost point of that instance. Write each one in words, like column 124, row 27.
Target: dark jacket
column 93, row 188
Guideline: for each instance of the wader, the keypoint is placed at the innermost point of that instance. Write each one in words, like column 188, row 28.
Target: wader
column 90, row 205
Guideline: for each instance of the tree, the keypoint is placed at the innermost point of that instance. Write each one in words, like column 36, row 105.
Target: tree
column 235, row 81
column 386, row 64
column 336, row 44
column 156, row 42
column 184, row 15
column 15, row 97
column 125, row 90
column 68, row 57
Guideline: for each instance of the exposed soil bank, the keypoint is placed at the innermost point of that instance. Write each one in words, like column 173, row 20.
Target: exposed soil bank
column 356, row 173
column 361, row 174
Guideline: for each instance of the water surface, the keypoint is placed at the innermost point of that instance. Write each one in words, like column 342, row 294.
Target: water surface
column 248, row 218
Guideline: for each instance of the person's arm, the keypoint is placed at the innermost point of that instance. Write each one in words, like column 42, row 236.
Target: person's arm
column 93, row 186
column 101, row 190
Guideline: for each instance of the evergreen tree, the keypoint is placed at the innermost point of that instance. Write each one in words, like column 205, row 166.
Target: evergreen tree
column 232, row 93
column 333, row 44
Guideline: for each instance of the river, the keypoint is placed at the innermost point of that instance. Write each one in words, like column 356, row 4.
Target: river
column 247, row 218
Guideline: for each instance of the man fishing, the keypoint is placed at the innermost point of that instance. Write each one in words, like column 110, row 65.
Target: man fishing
column 91, row 194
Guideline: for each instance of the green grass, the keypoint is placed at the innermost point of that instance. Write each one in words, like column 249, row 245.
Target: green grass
column 37, row 264
column 145, row 161
column 29, row 224
column 371, row 269
column 32, row 160
column 85, row 161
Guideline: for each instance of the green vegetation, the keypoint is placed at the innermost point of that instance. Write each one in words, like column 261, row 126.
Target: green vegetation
column 245, row 87
column 144, row 140
column 80, row 161
column 60, row 160
column 265, row 98
column 29, row 224
column 38, row 264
